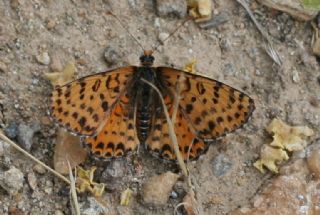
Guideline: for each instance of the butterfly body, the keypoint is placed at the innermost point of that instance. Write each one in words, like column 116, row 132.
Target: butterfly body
column 117, row 110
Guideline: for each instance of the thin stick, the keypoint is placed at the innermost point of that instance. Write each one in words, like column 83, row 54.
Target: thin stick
column 172, row 33
column 171, row 131
column 269, row 47
column 14, row 145
column 126, row 29
column 73, row 190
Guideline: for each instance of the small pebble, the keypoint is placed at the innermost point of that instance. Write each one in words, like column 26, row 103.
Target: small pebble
column 25, row 134
column 167, row 8
column 58, row 212
column 12, row 180
column 221, row 165
column 32, row 181
column 94, row 207
column 39, row 169
column 51, row 24
column 111, row 56
column 43, row 58
column 3, row 67
column 12, row 130
column 116, row 169
column 156, row 190
column 314, row 162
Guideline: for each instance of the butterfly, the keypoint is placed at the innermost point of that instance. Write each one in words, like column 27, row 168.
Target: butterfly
column 117, row 110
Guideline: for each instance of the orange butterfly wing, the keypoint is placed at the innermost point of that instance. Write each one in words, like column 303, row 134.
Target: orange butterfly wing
column 83, row 106
column 207, row 109
column 211, row 107
column 159, row 141
column 118, row 136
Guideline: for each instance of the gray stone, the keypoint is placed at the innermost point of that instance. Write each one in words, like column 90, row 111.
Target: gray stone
column 167, row 8
column 12, row 180
column 11, row 131
column 26, row 133
column 221, row 165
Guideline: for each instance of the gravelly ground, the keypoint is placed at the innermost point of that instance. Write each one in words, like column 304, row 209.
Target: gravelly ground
column 233, row 53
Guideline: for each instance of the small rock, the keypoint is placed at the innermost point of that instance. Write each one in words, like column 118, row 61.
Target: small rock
column 113, row 172
column 51, row 24
column 3, row 67
column 116, row 169
column 12, row 180
column 43, row 58
column 58, row 212
column 39, row 169
column 111, row 56
column 95, row 208
column 157, row 190
column 25, row 134
column 221, row 165
column 48, row 188
column 295, row 76
column 12, row 130
column 32, row 181
column 56, row 64
column 314, row 162
column 162, row 36
column 171, row 7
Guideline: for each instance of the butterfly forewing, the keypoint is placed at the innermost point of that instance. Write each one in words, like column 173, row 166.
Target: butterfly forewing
column 210, row 107
column 82, row 105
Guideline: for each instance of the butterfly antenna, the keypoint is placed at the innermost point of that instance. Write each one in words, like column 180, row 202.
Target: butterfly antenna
column 172, row 33
column 124, row 27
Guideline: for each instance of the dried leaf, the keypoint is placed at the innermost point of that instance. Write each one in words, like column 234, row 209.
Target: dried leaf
column 63, row 77
column 67, row 148
column 201, row 10
column 126, row 197
column 85, row 182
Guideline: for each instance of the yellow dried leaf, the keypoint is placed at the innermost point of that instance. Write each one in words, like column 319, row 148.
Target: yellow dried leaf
column 63, row 77
column 268, row 158
column 285, row 138
column 126, row 197
column 291, row 138
column 85, row 182
column 67, row 149
column 190, row 67
column 201, row 10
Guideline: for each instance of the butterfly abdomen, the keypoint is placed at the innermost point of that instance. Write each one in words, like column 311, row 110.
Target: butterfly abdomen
column 143, row 123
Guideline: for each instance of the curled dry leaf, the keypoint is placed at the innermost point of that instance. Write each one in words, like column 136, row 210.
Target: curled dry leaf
column 190, row 67
column 126, row 197
column 63, row 77
column 291, row 138
column 67, row 149
column 85, row 182
column 268, row 158
column 285, row 138
column 201, row 10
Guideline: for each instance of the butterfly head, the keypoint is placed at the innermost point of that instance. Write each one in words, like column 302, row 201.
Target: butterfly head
column 147, row 59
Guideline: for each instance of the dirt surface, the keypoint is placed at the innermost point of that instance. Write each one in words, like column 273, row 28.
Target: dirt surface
column 80, row 31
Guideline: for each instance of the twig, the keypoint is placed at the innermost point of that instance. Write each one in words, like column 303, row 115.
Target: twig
column 14, row 145
column 171, row 131
column 173, row 135
column 269, row 46
column 73, row 190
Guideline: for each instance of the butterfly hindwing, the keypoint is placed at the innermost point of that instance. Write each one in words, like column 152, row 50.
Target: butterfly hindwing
column 118, row 135
column 82, row 105
column 160, row 143
column 211, row 107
